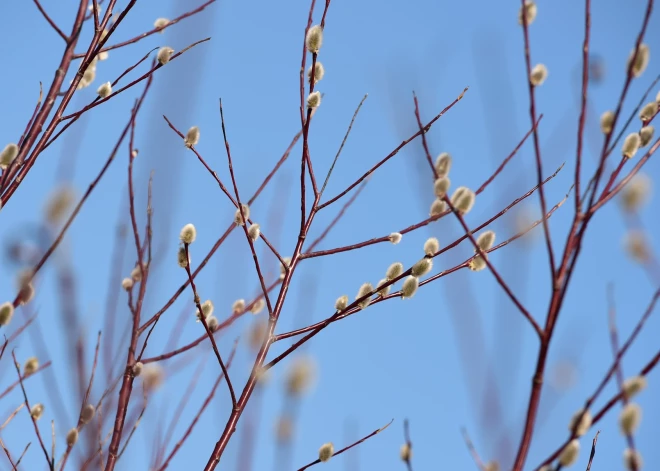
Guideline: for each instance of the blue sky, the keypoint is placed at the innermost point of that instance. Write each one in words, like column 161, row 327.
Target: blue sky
column 422, row 359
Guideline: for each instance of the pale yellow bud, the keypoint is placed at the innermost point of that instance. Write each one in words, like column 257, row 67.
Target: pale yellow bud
column 641, row 61
column 136, row 273
column 314, row 39
column 192, row 137
column 395, row 237
column 285, row 266
column 637, row 246
column 478, row 263
column 188, row 234
column 105, row 90
column 463, row 199
column 632, row 460
column 437, row 207
column 314, row 99
column 326, row 451
column 8, row 155
column 630, row 145
column 31, row 365
column 254, row 232
column 238, row 306
column 87, row 413
column 36, row 411
column 6, row 313
column 538, row 75
column 583, row 425
column 486, row 240
column 207, row 308
column 443, row 164
column 422, row 267
column 319, row 72
column 365, row 289
column 636, row 192
column 212, row 323
column 409, row 287
column 181, row 257
column 394, row 270
column 72, row 437
column 570, row 453
column 441, row 186
column 632, row 386
column 648, row 111
column 164, row 55
column 645, row 135
column 160, row 23
column 238, row 218
column 431, row 246
column 529, row 10
column 152, row 376
column 406, row 452
column 629, row 418
column 301, row 375
column 383, row 291
column 341, row 303
column 258, row 306
column 137, row 368
column 607, row 121
column 127, row 283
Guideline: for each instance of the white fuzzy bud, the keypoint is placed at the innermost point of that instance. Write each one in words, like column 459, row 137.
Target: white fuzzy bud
column 630, row 145
column 31, row 365
column 283, row 268
column 254, row 232
column 607, row 121
column 300, row 376
column 238, row 306
column 538, row 75
column 314, row 39
column 636, row 192
column 341, row 303
column 212, row 323
column 405, row 452
column 192, row 137
column 188, row 234
column 629, row 418
column 314, row 99
column 463, row 199
column 326, row 451
column 8, row 155
column 443, row 164
column 6, row 313
column 632, row 460
column 164, row 55
column 583, row 425
column 645, row 135
column 632, row 386
column 422, row 267
column 394, row 270
column 319, row 72
column 87, row 413
column 478, row 263
column 431, row 246
column 207, row 308
column 365, row 289
column 641, row 61
column 137, row 368
column 441, row 186
column 409, row 287
column 258, row 306
column 648, row 111
column 529, row 10
column 72, row 437
column 105, row 90
column 437, row 207
column 383, row 291
column 570, row 453
column 395, row 237
column 181, row 257
column 486, row 240
column 238, row 218
column 36, row 411
column 161, row 22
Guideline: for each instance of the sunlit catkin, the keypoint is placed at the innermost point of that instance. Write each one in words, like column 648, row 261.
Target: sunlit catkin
column 405, row 452
column 441, row 186
column 25, row 287
column 152, row 376
column 87, row 413
column 164, row 55
column 636, row 192
column 254, row 232
column 8, row 155
column 258, row 306
column 645, row 135
column 314, row 39
column 365, row 289
column 319, row 72
column 341, row 303
column 6, row 313
column 583, row 425
column 632, row 386
column 463, row 199
column 632, row 460
column 314, row 100
column 630, row 145
column 395, row 237
column 641, row 61
column 570, row 453
column 284, row 266
column 207, row 308
column 478, row 263
column 648, row 111
column 431, row 246
column 72, row 437
column 137, row 368
column 437, row 207
column 238, row 306
column 382, row 292
column 300, row 376
column 31, row 365
column 212, row 323
column 394, row 270
column 538, row 75
column 192, row 137
column 422, row 267
column 36, row 411
column 486, row 240
column 160, row 23
column 238, row 218
column 529, row 11
column 443, row 164
column 105, row 90
column 188, row 234
column 409, row 287
column 629, row 418
column 326, row 451
column 607, row 121
column 182, row 257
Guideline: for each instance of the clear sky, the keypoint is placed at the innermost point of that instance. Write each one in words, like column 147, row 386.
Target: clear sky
column 458, row 354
